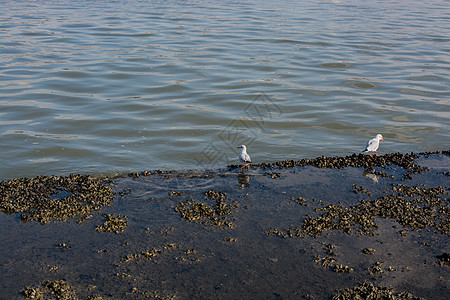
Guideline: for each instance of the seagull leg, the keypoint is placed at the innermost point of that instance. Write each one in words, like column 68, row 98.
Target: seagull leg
column 370, row 154
column 376, row 153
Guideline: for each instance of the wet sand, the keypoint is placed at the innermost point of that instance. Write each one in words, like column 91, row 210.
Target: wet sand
column 306, row 229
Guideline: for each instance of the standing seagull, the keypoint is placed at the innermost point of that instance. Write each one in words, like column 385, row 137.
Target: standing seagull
column 373, row 144
column 244, row 157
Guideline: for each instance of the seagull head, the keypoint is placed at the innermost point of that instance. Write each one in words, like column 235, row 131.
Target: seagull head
column 379, row 137
column 242, row 147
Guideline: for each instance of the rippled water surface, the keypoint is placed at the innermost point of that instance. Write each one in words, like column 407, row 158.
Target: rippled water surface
column 117, row 86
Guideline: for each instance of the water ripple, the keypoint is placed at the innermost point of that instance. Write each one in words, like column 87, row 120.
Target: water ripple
column 123, row 86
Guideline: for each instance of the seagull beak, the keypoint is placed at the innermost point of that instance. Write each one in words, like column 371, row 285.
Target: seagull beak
column 382, row 140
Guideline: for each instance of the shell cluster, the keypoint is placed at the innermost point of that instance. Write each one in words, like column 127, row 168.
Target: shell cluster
column 59, row 289
column 114, row 223
column 367, row 290
column 411, row 206
column 47, row 198
column 214, row 215
column 403, row 160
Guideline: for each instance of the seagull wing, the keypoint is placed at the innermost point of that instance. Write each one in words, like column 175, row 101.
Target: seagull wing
column 244, row 157
column 372, row 145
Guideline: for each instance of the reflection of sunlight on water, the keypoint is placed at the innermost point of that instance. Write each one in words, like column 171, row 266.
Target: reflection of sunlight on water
column 45, row 135
column 28, row 103
column 407, row 108
column 75, row 117
column 16, row 122
column 43, row 160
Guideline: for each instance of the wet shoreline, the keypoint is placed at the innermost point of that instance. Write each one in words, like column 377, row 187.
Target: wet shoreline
column 298, row 229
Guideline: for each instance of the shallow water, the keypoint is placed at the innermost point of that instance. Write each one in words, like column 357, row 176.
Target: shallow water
column 242, row 261
column 115, row 86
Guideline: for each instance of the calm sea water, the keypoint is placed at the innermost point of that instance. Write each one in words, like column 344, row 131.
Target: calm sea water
column 116, row 86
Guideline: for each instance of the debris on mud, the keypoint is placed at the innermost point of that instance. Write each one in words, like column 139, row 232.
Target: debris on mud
column 150, row 254
column 188, row 256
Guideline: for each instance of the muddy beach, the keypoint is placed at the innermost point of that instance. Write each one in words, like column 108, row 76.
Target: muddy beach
column 324, row 228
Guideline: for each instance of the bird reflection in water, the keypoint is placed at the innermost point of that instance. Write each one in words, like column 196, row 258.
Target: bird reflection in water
column 243, row 180
column 370, row 173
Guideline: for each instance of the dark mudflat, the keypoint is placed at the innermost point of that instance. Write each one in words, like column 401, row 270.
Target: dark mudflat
column 306, row 229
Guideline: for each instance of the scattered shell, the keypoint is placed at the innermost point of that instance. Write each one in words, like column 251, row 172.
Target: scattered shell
column 369, row 251
column 300, row 201
column 175, row 193
column 114, row 223
column 342, row 269
column 367, row 290
column 150, row 254
column 376, row 268
column 444, row 259
column 360, row 189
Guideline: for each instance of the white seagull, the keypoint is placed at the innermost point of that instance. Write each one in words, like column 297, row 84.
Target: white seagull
column 373, row 144
column 244, row 157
